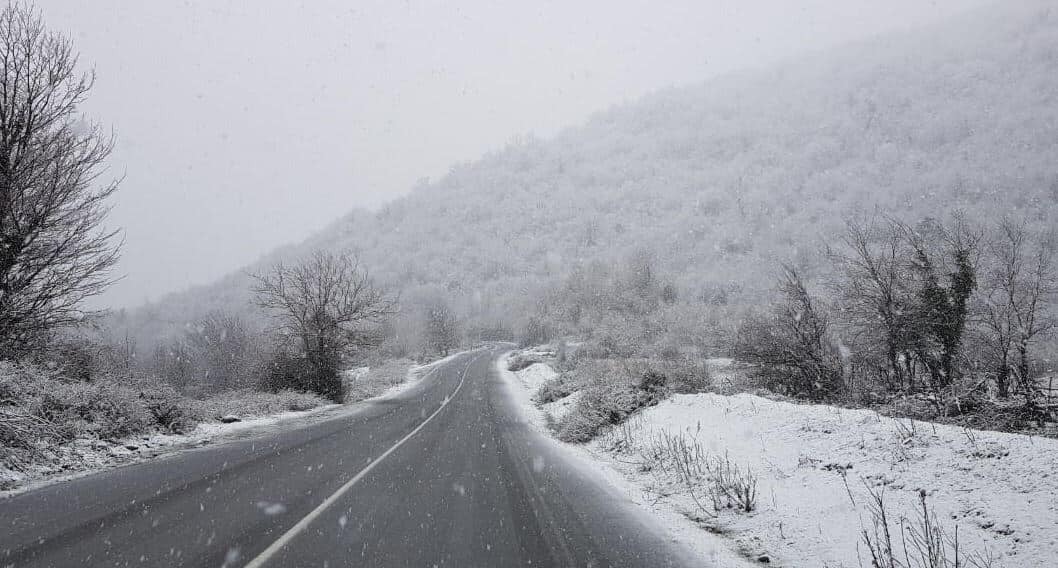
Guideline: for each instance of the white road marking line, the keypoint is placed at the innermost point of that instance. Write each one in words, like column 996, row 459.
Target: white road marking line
column 260, row 560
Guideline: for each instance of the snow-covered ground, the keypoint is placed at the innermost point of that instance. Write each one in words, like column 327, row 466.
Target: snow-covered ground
column 525, row 383
column 87, row 456
column 816, row 467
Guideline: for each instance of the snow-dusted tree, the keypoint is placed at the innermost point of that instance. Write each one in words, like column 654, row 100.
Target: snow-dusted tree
column 325, row 304
column 54, row 251
column 792, row 347
column 442, row 328
column 1021, row 286
column 943, row 268
column 222, row 348
column 535, row 331
column 873, row 285
column 174, row 362
column 905, row 295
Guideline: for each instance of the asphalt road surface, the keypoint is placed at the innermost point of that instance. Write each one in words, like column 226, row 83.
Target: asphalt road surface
column 444, row 474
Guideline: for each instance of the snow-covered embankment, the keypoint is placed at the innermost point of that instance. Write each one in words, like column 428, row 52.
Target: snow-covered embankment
column 817, row 469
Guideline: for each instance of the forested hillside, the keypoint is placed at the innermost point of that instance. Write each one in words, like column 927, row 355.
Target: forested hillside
column 709, row 187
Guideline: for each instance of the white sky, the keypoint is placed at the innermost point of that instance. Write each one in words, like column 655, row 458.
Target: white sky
column 247, row 125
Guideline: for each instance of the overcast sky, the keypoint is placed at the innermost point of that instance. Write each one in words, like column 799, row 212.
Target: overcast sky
column 246, row 125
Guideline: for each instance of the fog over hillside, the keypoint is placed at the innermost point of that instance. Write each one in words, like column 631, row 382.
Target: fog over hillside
column 719, row 182
column 281, row 115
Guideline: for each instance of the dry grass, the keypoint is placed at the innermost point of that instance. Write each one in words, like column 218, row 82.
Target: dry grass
column 713, row 482
column 922, row 542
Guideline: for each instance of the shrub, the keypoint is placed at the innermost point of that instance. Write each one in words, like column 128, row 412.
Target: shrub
column 687, row 377
column 103, row 409
column 521, row 362
column 20, row 429
column 116, row 410
column 382, row 375
column 285, row 371
column 290, row 371
column 609, row 401
column 256, row 403
column 792, row 347
column 554, row 389
column 652, row 381
column 169, row 410
column 65, row 409
column 534, row 332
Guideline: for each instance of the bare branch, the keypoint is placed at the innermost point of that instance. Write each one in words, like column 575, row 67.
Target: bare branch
column 54, row 250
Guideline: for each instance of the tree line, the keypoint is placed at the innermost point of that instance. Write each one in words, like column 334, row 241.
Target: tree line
column 949, row 309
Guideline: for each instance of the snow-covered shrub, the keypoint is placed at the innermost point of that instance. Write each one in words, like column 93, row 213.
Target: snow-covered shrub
column 553, row 389
column 103, row 409
column 792, row 347
column 256, row 403
column 170, row 411
column 685, row 375
column 285, row 370
column 608, row 400
column 67, row 409
column 22, row 430
column 294, row 401
column 521, row 362
column 382, row 374
column 535, row 331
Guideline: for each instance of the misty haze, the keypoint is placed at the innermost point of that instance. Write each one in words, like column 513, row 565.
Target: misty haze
column 480, row 284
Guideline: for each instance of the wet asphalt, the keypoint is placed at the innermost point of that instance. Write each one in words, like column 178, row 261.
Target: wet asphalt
column 474, row 486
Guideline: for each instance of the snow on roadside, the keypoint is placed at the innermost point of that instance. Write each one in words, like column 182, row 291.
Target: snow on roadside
column 414, row 375
column 533, row 377
column 421, row 370
column 86, row 456
column 563, row 406
column 815, row 466
column 706, row 545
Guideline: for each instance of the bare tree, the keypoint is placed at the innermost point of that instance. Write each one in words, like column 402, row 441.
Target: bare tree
column 793, row 347
column 876, row 298
column 325, row 303
column 174, row 362
column 54, row 251
column 906, row 291
column 1021, row 284
column 442, row 329
column 221, row 347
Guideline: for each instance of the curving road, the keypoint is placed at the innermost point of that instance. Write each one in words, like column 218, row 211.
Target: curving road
column 444, row 474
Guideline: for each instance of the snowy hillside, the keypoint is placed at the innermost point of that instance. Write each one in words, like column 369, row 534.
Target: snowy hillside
column 719, row 181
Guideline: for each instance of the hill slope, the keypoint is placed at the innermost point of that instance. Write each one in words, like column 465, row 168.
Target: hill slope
column 719, row 181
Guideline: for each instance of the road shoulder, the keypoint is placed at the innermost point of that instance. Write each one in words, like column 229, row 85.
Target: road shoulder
column 710, row 548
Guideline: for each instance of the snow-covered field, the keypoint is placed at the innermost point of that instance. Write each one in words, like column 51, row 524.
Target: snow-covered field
column 817, row 466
